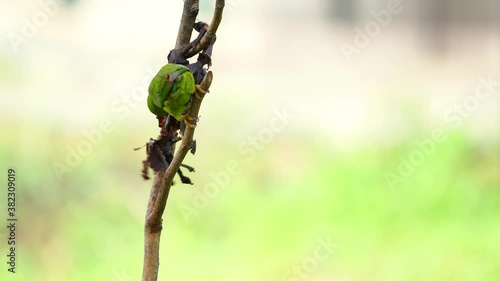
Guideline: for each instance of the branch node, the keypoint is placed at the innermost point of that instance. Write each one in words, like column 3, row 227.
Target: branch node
column 155, row 227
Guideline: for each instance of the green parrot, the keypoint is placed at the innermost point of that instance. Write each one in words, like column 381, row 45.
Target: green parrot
column 170, row 91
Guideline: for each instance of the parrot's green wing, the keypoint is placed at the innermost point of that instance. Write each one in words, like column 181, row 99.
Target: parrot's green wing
column 170, row 90
column 177, row 102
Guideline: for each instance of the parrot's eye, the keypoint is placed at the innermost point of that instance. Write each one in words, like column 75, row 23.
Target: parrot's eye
column 168, row 77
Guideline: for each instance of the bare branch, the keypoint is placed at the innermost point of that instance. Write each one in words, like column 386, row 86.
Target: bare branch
column 163, row 179
column 189, row 14
column 212, row 30
column 161, row 188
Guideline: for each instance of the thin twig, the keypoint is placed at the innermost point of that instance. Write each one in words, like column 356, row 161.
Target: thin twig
column 212, row 30
column 161, row 188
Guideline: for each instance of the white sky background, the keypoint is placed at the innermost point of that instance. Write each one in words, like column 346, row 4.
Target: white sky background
column 269, row 54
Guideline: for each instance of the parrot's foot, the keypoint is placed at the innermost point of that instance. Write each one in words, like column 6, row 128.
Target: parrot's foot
column 190, row 122
column 198, row 91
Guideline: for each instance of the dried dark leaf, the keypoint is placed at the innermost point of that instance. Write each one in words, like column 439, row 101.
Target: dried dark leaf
column 193, row 147
column 184, row 179
column 145, row 166
column 156, row 158
column 190, row 169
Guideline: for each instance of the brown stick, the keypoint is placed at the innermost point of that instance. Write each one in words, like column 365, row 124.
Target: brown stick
column 189, row 14
column 217, row 18
column 163, row 179
column 161, row 188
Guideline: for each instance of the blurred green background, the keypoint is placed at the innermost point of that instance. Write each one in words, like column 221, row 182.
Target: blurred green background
column 356, row 163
